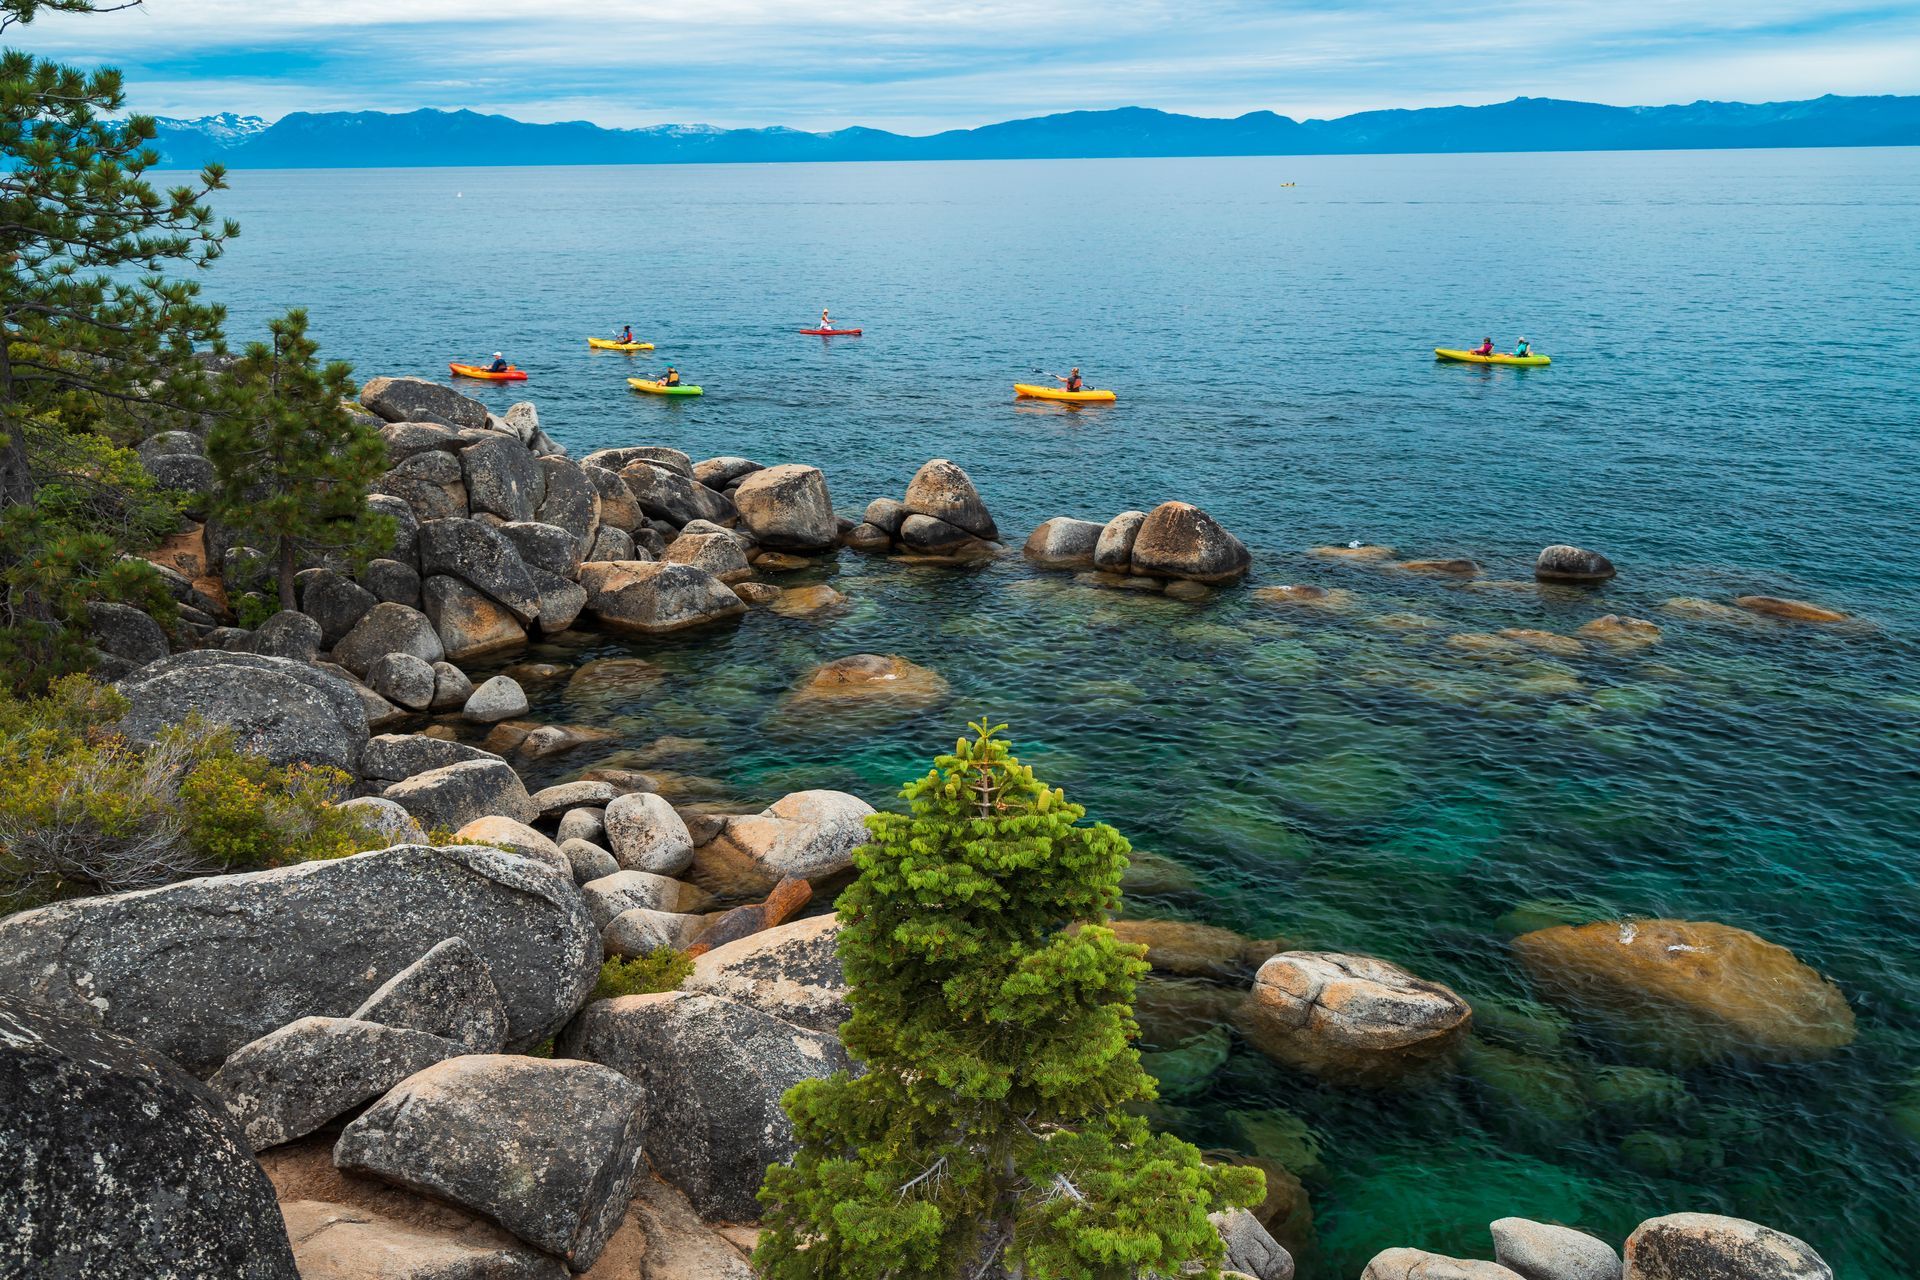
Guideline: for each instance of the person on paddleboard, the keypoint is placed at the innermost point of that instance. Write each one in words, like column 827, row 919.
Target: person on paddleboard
column 1072, row 379
column 1523, row 348
column 499, row 364
column 826, row 321
column 1484, row 349
column 626, row 336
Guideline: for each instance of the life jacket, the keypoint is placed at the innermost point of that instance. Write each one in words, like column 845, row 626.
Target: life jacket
column 673, row 379
column 1074, row 383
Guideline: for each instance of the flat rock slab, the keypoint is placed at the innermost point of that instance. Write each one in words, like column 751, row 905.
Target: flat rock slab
column 342, row 1242
column 197, row 969
column 712, row 1071
column 548, row 1148
column 791, row 971
column 291, row 1082
column 115, row 1163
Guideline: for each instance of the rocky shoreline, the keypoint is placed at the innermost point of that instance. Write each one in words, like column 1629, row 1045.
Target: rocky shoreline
column 367, row 1029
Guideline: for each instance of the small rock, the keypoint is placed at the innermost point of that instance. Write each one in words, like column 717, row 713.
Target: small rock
column 867, row 537
column 872, row 677
column 756, row 593
column 570, row 1132
column 556, row 800
column 392, row 582
column 500, row 698
column 1439, row 568
column 1351, row 1019
column 404, row 679
column 1790, row 610
column 1418, row 1264
column 1197, row 950
column 639, row 930
column 810, row 835
column 456, row 794
column 289, row 635
column 1063, row 541
column 646, row 834
column 885, row 514
column 451, row 688
column 125, row 632
column 514, row 837
column 608, row 896
column 388, row 628
column 718, row 473
column 648, row 597
column 782, row 902
column 585, row 823
column 393, row 756
column 588, row 860
column 342, row 1242
column 943, row 491
column 1621, row 631
column 1113, row 551
column 448, row 992
column 1572, row 564
column 791, row 971
column 807, row 602
column 389, row 819
column 1358, row 552
column 1250, row 1249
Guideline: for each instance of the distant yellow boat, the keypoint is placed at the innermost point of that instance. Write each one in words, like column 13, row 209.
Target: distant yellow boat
column 653, row 388
column 1033, row 392
column 1468, row 357
column 608, row 344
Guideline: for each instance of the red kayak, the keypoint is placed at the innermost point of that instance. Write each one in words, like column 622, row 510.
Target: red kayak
column 833, row 333
column 476, row 371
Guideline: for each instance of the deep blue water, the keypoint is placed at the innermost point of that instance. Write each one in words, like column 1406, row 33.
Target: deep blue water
column 1731, row 409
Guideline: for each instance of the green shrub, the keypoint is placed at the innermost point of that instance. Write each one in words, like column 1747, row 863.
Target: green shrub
column 82, row 811
column 654, row 971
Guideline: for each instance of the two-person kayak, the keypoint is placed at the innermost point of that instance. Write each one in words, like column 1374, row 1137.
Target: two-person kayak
column 653, row 388
column 1474, row 357
column 608, row 344
column 486, row 374
column 1033, row 391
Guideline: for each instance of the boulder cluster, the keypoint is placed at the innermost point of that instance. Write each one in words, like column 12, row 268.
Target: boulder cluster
column 1174, row 543
column 942, row 517
column 1678, row 1246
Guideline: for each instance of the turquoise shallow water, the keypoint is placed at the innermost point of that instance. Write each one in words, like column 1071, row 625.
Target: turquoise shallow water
column 1731, row 409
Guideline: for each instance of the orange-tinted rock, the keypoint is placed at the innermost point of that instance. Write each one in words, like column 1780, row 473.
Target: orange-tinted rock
column 1545, row 641
column 612, row 675
column 1351, row 1019
column 1705, row 610
column 1304, row 594
column 787, row 897
column 1197, row 950
column 1438, row 568
column 872, row 677
column 1353, row 553
column 1179, row 540
column 1622, row 632
column 1791, row 610
column 805, row 602
column 1685, row 991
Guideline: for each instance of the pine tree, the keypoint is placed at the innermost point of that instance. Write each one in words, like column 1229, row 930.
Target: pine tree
column 291, row 465
column 96, row 345
column 992, row 1014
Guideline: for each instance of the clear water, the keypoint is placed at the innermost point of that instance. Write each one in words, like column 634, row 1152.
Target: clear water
column 1731, row 409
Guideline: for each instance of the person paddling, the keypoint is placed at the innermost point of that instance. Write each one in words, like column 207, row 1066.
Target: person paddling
column 826, row 321
column 626, row 336
column 1072, row 380
column 1523, row 348
column 1484, row 349
column 672, row 379
column 499, row 364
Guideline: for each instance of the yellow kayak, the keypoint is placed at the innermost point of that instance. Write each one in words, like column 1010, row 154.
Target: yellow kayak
column 661, row 389
column 608, row 344
column 1033, row 392
column 1468, row 357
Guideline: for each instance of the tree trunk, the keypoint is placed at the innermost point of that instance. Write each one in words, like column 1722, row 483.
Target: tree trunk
column 16, row 475
column 287, row 601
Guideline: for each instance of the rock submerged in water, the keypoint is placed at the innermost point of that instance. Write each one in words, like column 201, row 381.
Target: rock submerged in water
column 872, row 677
column 1197, row 950
column 1686, row 992
column 1351, row 1019
column 1790, row 610
column 1561, row 563
column 1621, row 632
column 115, row 1163
column 1706, row 1246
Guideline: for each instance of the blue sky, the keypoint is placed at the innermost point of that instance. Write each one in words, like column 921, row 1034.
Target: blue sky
column 916, row 66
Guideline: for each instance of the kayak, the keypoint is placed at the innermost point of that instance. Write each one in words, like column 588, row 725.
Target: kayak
column 608, row 344
column 655, row 389
column 1468, row 357
column 1033, row 392
column 475, row 371
column 833, row 333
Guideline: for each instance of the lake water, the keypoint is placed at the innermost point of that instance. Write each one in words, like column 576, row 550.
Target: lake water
column 1731, row 409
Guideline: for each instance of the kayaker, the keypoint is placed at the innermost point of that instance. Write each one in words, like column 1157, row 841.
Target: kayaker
column 672, row 379
column 1484, row 349
column 626, row 336
column 1072, row 379
column 1523, row 348
column 499, row 364
column 826, row 321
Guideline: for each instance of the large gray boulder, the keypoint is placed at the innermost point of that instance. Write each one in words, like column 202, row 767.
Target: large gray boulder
column 719, row 473
column 406, row 525
column 456, row 794
column 287, row 634
column 404, row 439
column 502, row 478
column 1063, row 542
column 431, row 484
column 1179, row 540
column 1706, row 1246
column 1251, row 1250
column 500, row 698
column 925, row 535
column 116, row 1164
column 647, row 834
column 394, row 756
column 199, row 968
column 712, row 1072
column 417, row 400
column 334, row 601
column 124, row 632
column 617, row 459
column 560, row 599
column 1113, row 551
column 791, row 971
column 448, row 992
column 544, row 546
column 484, row 558
column 662, row 494
column 647, row 598
column 720, row 554
column 548, row 1148
column 312, row 1071
column 1543, row 1251
column 388, row 628
column 942, row 490
column 403, row 679
column 571, row 501
column 287, row 711
column 788, row 508
column 618, row 510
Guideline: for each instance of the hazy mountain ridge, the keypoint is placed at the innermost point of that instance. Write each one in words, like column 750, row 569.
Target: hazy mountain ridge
column 374, row 139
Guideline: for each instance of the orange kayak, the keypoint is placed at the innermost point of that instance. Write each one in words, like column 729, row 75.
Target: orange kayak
column 487, row 375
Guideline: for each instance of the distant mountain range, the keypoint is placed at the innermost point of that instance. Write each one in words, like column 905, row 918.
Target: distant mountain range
column 374, row 139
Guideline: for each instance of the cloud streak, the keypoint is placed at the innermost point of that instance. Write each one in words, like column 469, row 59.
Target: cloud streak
column 910, row 65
